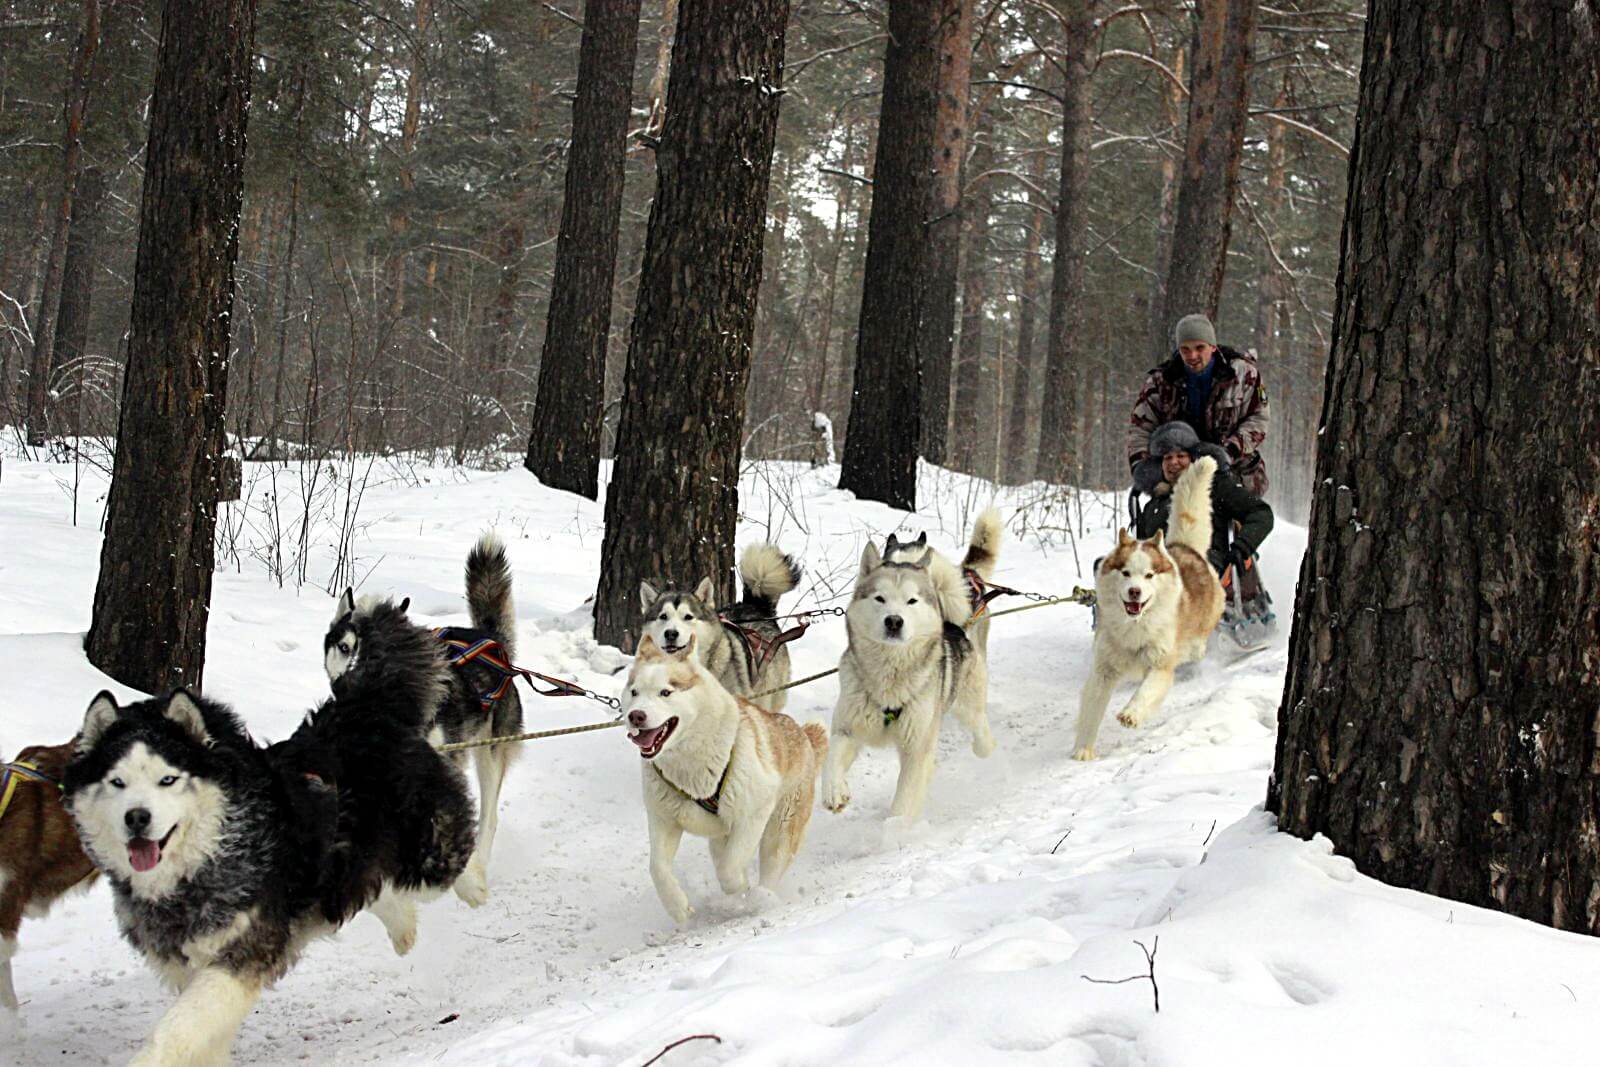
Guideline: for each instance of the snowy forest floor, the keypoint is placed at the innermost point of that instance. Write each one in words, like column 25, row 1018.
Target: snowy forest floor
column 967, row 938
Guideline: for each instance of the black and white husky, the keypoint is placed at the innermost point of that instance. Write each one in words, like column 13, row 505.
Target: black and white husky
column 226, row 858
column 738, row 645
column 373, row 639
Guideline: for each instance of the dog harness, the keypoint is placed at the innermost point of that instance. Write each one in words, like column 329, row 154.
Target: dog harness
column 22, row 771
column 980, row 592
column 759, row 650
column 474, row 646
column 711, row 802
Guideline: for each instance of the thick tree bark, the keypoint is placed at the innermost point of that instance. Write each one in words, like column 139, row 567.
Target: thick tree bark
column 410, row 127
column 1442, row 705
column 880, row 452
column 564, row 443
column 1219, row 98
column 44, row 329
column 77, row 289
column 1020, row 433
column 672, row 503
column 1172, row 99
column 950, row 149
column 1057, row 417
column 154, row 590
column 974, row 405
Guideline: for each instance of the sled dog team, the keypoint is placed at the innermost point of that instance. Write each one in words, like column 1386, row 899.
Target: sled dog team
column 226, row 856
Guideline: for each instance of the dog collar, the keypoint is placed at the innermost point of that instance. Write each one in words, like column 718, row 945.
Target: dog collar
column 890, row 715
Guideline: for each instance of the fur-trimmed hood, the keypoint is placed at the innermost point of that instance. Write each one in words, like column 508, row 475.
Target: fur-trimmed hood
column 1176, row 436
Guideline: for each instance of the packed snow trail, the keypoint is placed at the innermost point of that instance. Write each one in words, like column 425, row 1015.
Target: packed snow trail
column 964, row 938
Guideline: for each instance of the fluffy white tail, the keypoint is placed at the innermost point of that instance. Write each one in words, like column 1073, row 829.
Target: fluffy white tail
column 984, row 549
column 1190, row 522
column 767, row 574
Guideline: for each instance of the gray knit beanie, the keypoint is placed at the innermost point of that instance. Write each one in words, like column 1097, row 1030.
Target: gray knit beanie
column 1194, row 328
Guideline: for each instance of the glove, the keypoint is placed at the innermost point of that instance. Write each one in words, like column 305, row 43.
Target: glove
column 1241, row 556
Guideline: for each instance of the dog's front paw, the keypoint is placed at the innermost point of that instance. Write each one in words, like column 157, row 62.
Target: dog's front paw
column 403, row 940
column 835, row 797
column 733, row 882
column 473, row 886
column 1084, row 753
column 983, row 745
column 1130, row 718
column 680, row 911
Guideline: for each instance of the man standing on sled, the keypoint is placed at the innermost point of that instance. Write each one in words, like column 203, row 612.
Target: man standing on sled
column 1218, row 392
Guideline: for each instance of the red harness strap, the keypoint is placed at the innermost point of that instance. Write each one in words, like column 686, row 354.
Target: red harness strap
column 492, row 654
column 759, row 650
column 980, row 592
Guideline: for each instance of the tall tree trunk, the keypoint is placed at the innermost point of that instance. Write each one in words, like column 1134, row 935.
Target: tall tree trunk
column 154, row 590
column 950, row 148
column 817, row 393
column 564, row 443
column 765, row 396
column 1059, row 412
column 672, row 504
column 44, row 329
column 658, row 78
column 1172, row 99
column 1019, row 438
column 1270, row 282
column 880, row 452
column 1219, row 98
column 974, row 376
column 1439, row 718
column 410, row 127
column 77, row 288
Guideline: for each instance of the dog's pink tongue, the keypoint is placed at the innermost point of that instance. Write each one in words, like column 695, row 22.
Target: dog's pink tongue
column 144, row 853
column 646, row 738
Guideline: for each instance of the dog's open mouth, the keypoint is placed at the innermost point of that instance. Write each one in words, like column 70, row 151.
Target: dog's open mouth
column 671, row 649
column 1133, row 607
column 144, row 854
column 650, row 741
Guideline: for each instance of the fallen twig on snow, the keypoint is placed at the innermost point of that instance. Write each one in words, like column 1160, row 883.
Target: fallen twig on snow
column 1150, row 975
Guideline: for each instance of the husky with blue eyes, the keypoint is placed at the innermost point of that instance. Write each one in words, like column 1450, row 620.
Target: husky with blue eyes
column 227, row 858
column 912, row 657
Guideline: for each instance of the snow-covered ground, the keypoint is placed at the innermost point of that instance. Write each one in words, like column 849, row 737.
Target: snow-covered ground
column 968, row 939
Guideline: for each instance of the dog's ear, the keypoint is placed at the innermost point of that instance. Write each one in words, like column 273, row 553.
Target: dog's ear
column 704, row 593
column 870, row 559
column 103, row 711
column 924, row 557
column 922, row 538
column 183, row 710
column 1158, row 540
column 346, row 606
column 890, row 545
column 404, row 604
column 647, row 595
column 1124, row 538
column 647, row 651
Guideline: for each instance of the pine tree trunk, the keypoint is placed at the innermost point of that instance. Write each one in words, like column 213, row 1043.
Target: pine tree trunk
column 672, row 503
column 564, row 444
column 880, row 451
column 944, row 226
column 1219, row 98
column 77, row 290
column 154, row 591
column 974, row 376
column 1019, row 440
column 1172, row 100
column 1064, row 350
column 1440, row 714
column 44, row 329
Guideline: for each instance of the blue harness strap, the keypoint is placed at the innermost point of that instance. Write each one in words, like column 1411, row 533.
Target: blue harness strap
column 20, row 771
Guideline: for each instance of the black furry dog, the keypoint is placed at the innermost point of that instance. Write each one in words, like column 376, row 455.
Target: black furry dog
column 372, row 642
column 226, row 858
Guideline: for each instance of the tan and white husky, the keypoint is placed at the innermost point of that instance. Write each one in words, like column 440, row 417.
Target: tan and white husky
column 1158, row 602
column 717, row 766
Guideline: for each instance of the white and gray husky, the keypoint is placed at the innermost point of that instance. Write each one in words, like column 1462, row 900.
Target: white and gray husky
column 717, row 766
column 372, row 637
column 226, row 858
column 911, row 658
column 737, row 643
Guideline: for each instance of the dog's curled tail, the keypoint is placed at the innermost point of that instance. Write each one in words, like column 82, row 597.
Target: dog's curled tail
column 817, row 736
column 767, row 574
column 1190, row 522
column 489, row 591
column 984, row 549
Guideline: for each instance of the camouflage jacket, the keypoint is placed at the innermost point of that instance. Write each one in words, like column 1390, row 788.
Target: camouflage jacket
column 1236, row 413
